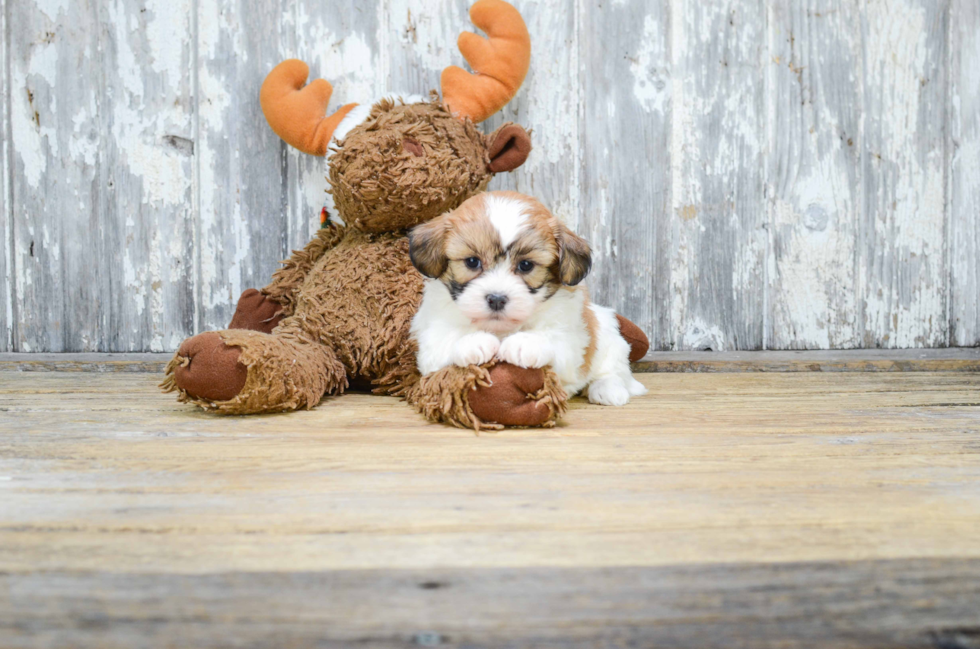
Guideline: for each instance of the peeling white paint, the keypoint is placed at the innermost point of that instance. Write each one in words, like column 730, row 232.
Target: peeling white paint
column 964, row 190
column 700, row 336
column 167, row 37
column 649, row 84
column 52, row 8
column 874, row 242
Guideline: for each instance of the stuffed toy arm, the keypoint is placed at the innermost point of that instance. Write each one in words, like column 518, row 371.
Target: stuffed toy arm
column 262, row 310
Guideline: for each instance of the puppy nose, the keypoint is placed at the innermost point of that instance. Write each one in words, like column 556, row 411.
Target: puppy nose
column 497, row 302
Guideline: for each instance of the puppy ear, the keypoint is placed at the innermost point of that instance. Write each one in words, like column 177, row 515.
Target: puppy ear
column 574, row 257
column 427, row 247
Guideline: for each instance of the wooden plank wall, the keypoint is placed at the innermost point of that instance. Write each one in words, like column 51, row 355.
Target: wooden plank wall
column 752, row 174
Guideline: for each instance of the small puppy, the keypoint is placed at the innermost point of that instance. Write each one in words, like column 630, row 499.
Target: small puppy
column 504, row 283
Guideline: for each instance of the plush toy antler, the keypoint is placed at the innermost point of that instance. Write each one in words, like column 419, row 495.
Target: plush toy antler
column 500, row 61
column 298, row 114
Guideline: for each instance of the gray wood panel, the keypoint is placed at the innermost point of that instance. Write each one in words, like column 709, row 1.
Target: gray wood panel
column 418, row 42
column 964, row 153
column 814, row 173
column 6, row 218
column 59, row 179
column 719, row 239
column 627, row 173
column 241, row 165
column 903, row 249
column 751, row 173
column 900, row 603
column 146, row 249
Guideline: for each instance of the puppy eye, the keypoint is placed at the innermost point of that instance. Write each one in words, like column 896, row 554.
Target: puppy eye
column 525, row 266
column 472, row 262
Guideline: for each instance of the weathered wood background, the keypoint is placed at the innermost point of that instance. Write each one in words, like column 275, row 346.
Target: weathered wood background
column 752, row 173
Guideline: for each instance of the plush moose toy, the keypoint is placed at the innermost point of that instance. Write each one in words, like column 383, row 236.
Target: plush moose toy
column 337, row 314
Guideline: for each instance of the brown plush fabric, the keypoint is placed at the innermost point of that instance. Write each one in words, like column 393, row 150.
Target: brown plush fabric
column 518, row 396
column 509, row 147
column 285, row 372
column 288, row 280
column 639, row 343
column 207, row 368
column 256, row 312
column 360, row 299
column 379, row 186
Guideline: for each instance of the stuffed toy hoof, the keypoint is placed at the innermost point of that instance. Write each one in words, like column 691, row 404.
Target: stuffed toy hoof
column 517, row 396
column 639, row 343
column 256, row 312
column 206, row 368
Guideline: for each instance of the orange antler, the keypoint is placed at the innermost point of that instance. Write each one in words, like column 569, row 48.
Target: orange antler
column 500, row 61
column 298, row 114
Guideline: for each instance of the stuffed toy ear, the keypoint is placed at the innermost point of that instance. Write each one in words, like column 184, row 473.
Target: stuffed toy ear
column 427, row 247
column 574, row 257
column 509, row 147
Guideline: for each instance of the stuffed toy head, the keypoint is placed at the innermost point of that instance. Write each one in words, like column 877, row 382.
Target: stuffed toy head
column 401, row 161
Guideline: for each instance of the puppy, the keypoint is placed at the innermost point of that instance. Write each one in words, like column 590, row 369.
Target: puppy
column 504, row 284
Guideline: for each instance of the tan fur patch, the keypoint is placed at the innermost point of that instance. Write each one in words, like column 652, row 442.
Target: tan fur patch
column 592, row 326
column 536, row 243
column 471, row 234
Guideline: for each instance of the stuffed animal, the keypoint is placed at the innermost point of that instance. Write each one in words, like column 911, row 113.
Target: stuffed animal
column 337, row 314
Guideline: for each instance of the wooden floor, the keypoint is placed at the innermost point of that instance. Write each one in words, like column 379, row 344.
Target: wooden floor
column 724, row 509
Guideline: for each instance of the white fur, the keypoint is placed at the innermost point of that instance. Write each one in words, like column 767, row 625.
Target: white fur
column 554, row 333
column 507, row 216
column 356, row 115
column 521, row 303
column 527, row 349
column 360, row 112
column 476, row 348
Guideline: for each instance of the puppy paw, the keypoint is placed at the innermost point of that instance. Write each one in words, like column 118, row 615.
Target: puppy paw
column 475, row 349
column 609, row 391
column 636, row 388
column 526, row 350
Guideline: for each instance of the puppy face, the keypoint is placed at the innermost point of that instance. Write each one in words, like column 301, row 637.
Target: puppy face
column 500, row 254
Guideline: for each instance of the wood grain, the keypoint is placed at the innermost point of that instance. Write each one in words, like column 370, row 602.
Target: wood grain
column 549, row 104
column 752, row 173
column 719, row 241
column 59, row 176
column 627, row 170
column 786, row 509
column 814, row 133
column 964, row 172
column 146, row 249
column 904, row 603
column 902, row 233
column 708, row 467
column 6, row 214
column 241, row 167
